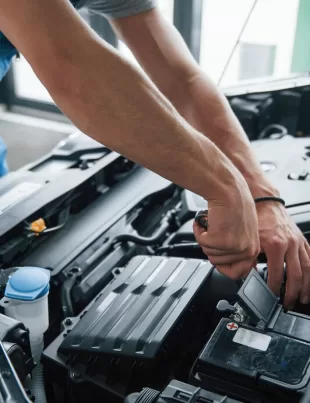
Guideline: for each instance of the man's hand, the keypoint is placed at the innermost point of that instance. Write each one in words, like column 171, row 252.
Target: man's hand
column 231, row 242
column 283, row 242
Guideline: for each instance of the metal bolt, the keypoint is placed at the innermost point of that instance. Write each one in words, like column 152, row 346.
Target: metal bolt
column 76, row 376
column 68, row 322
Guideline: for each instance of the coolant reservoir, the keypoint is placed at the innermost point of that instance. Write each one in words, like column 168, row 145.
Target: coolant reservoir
column 26, row 299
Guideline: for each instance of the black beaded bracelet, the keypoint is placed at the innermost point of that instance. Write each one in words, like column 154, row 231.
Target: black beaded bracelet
column 270, row 198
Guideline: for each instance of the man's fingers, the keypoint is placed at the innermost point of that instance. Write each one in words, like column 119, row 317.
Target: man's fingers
column 294, row 277
column 220, row 253
column 304, row 257
column 224, row 260
column 275, row 261
column 236, row 271
column 214, row 247
column 207, row 242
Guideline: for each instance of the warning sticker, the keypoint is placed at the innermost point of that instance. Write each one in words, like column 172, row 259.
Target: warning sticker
column 17, row 194
column 252, row 339
column 232, row 326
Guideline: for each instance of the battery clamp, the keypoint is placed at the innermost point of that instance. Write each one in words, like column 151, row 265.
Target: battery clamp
column 260, row 349
column 257, row 305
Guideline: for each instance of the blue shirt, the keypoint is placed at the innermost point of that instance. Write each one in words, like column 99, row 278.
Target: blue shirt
column 7, row 52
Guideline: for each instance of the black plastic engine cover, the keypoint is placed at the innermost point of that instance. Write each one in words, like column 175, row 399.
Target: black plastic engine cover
column 178, row 392
column 286, row 162
column 141, row 327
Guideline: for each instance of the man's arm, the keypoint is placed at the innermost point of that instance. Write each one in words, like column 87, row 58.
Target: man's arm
column 105, row 96
column 163, row 54
column 112, row 102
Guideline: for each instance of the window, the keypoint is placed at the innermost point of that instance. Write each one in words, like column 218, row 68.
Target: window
column 249, row 54
column 265, row 48
column 27, row 85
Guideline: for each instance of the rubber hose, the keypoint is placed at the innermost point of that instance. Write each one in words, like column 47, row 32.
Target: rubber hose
column 37, row 383
column 65, row 297
column 153, row 240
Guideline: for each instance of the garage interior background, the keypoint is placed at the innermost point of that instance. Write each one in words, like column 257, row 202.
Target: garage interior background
column 277, row 35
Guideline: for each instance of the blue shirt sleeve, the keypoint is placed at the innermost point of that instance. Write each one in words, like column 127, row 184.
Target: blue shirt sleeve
column 7, row 52
column 3, row 165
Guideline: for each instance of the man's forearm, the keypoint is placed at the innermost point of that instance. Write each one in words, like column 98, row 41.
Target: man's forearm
column 177, row 75
column 120, row 108
column 208, row 110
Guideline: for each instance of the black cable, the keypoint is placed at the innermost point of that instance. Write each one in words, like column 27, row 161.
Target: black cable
column 65, row 297
column 138, row 239
column 168, row 248
column 65, row 292
column 146, row 241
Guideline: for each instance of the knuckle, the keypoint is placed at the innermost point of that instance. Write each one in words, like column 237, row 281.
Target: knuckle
column 252, row 251
column 293, row 241
column 278, row 243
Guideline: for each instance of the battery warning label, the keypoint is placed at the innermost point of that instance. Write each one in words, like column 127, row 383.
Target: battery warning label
column 232, row 326
column 252, row 339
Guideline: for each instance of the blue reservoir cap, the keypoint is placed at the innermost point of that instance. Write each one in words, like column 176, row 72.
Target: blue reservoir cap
column 28, row 284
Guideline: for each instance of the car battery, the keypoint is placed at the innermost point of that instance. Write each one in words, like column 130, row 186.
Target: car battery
column 260, row 353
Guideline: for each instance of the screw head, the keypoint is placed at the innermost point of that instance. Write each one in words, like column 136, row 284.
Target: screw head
column 68, row 322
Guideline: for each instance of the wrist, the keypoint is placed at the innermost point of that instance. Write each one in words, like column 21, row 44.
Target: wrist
column 261, row 187
column 228, row 183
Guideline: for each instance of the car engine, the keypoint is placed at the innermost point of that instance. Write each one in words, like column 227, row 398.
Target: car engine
column 106, row 296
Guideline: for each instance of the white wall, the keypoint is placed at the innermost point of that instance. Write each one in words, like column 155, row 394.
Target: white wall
column 273, row 22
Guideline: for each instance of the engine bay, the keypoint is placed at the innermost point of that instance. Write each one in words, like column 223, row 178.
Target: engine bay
column 129, row 309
